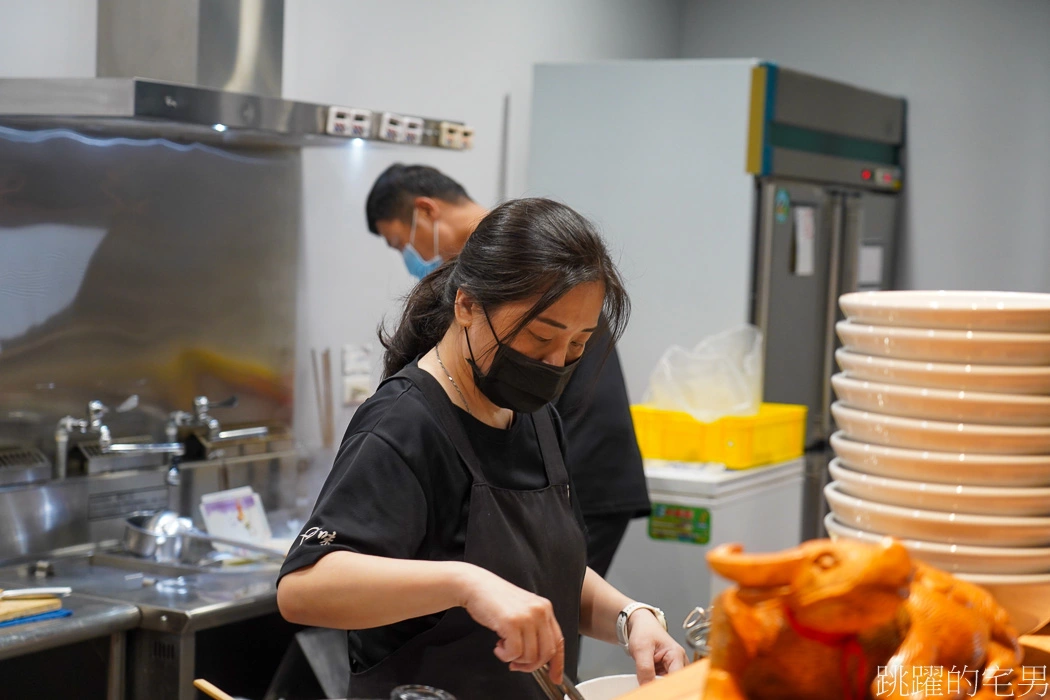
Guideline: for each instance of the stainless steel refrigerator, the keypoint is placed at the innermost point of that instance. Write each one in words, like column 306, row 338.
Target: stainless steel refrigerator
column 732, row 191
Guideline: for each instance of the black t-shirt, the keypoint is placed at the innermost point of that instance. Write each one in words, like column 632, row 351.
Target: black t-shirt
column 399, row 489
column 603, row 456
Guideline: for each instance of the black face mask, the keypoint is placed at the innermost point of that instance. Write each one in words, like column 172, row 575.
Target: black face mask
column 517, row 381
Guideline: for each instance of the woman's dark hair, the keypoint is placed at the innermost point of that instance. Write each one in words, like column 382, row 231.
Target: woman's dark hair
column 523, row 248
column 395, row 189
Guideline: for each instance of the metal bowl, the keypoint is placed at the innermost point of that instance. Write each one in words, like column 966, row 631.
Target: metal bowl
column 165, row 537
column 155, row 535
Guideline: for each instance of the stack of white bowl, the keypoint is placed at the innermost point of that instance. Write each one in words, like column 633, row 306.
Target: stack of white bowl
column 944, row 436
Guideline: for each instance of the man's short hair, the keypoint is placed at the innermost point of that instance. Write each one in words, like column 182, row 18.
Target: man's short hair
column 393, row 192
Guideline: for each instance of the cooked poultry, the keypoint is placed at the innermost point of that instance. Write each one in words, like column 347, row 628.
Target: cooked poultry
column 849, row 621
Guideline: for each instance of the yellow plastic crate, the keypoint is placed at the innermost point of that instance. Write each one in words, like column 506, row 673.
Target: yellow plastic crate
column 775, row 434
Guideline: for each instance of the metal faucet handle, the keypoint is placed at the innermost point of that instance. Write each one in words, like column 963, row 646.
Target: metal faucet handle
column 96, row 409
column 201, row 406
column 203, row 402
column 180, row 417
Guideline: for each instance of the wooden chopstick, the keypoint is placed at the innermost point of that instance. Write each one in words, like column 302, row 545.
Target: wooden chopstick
column 210, row 690
column 314, row 365
column 329, row 426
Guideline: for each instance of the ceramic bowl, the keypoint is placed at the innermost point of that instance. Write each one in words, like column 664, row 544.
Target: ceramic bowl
column 915, row 433
column 942, row 404
column 966, row 310
column 942, row 467
column 956, row 558
column 937, row 345
column 607, row 687
column 1026, row 597
column 952, row 498
column 996, row 379
column 937, row 526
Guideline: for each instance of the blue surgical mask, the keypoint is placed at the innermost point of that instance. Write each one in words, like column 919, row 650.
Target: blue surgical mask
column 417, row 266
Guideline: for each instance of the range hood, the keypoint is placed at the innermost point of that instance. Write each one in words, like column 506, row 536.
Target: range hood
column 201, row 71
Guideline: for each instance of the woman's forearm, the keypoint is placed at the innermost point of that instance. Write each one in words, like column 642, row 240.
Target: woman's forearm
column 347, row 590
column 600, row 604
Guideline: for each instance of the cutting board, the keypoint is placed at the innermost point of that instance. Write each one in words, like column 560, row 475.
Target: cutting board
column 14, row 609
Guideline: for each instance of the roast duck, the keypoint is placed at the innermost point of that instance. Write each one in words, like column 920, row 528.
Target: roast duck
column 846, row 620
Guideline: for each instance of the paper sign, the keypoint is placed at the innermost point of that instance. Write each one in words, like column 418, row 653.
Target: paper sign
column 237, row 514
column 805, row 240
column 870, row 265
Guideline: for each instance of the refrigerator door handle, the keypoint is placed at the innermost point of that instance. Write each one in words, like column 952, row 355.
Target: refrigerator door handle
column 764, row 259
column 831, row 311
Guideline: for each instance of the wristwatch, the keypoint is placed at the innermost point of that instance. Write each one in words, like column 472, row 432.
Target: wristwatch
column 625, row 615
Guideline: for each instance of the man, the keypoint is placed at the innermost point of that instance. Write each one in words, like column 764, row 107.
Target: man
column 428, row 216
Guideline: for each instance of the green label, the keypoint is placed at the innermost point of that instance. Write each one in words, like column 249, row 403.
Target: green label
column 680, row 523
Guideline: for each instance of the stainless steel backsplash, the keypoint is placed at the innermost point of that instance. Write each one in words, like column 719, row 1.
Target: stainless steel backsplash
column 143, row 267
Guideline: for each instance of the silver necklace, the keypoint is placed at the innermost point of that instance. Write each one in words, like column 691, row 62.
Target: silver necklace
column 454, row 385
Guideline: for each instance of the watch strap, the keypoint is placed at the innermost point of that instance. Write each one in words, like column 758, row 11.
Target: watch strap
column 625, row 615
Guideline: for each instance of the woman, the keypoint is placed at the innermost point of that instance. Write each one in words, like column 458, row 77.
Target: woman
column 447, row 538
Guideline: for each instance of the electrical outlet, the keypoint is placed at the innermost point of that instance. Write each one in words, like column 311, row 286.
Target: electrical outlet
column 413, row 130
column 347, row 121
column 392, row 127
column 356, row 388
column 357, row 359
column 450, row 135
column 466, row 137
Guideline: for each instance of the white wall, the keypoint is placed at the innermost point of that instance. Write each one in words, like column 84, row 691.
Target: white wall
column 975, row 73
column 438, row 58
column 51, row 39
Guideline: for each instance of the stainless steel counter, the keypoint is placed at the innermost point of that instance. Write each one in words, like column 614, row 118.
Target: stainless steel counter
column 91, row 618
column 169, row 598
column 159, row 609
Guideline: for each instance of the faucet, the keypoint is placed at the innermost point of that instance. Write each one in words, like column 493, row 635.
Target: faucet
column 92, row 425
column 199, row 417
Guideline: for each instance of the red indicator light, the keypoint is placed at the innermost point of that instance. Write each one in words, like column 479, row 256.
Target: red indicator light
column 887, row 177
column 865, row 174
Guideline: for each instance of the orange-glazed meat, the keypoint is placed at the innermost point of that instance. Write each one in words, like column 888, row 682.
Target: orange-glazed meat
column 852, row 621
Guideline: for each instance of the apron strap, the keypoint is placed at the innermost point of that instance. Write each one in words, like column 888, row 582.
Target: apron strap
column 446, row 414
column 550, row 450
column 542, row 422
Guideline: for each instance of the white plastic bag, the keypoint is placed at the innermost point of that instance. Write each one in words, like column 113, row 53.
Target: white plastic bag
column 721, row 376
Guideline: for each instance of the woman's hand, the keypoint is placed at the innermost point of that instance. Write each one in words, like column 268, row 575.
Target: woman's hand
column 529, row 633
column 654, row 651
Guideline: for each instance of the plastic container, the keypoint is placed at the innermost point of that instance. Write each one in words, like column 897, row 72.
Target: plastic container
column 775, row 434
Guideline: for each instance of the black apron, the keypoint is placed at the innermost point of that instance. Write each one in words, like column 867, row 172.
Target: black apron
column 528, row 538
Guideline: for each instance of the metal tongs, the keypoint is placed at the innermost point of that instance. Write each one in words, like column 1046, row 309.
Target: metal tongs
column 553, row 691
column 697, row 627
